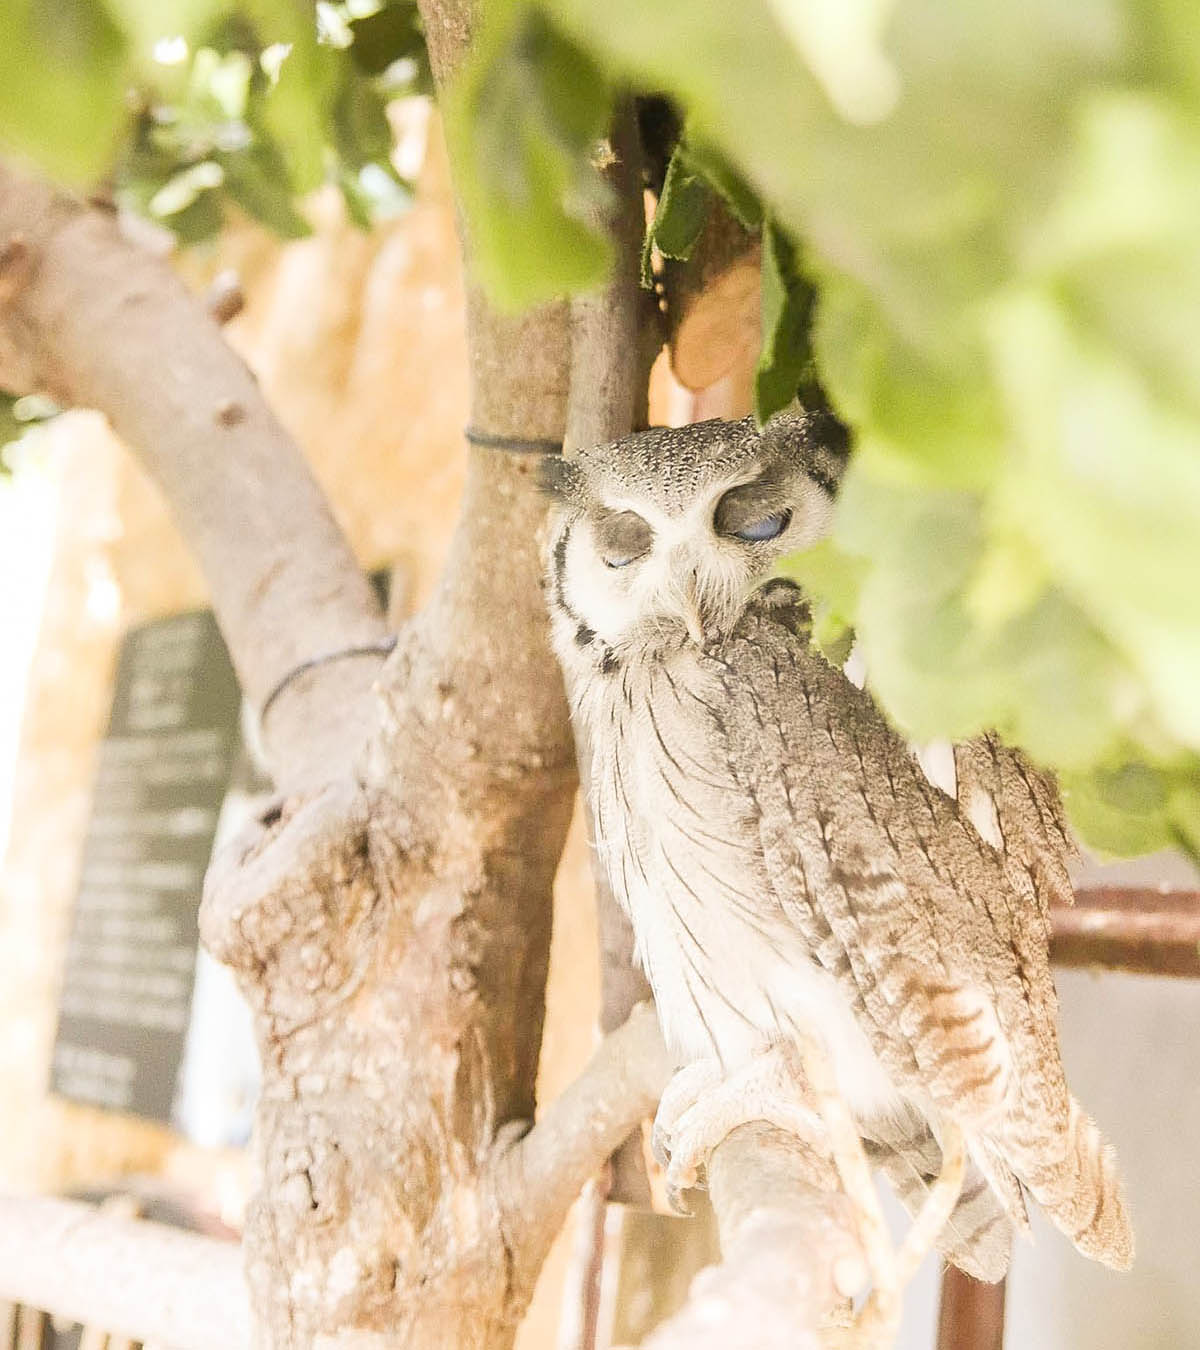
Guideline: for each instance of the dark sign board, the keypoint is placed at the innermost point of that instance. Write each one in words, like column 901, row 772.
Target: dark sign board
column 163, row 770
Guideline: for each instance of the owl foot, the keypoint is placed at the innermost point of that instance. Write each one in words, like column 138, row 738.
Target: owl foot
column 701, row 1105
column 890, row 1268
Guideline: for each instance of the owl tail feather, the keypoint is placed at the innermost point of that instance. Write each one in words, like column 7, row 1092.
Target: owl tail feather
column 1081, row 1190
column 978, row 1236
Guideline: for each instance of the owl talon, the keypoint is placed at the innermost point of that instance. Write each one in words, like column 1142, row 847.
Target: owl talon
column 701, row 1106
column 675, row 1197
column 681, row 1094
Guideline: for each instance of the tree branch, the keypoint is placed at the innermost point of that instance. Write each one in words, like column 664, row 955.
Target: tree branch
column 790, row 1255
column 609, row 377
column 130, row 1277
column 608, row 381
column 543, row 1174
column 389, row 920
column 102, row 324
column 392, row 927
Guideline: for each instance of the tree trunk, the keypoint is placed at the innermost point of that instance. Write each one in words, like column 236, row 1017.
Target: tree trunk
column 389, row 917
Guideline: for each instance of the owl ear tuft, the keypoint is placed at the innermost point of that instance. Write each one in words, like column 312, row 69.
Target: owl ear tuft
column 818, row 438
column 559, row 478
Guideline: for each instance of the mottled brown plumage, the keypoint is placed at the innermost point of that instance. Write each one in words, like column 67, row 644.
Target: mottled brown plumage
column 789, row 869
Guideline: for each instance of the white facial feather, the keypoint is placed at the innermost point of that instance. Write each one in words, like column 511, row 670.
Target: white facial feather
column 687, row 561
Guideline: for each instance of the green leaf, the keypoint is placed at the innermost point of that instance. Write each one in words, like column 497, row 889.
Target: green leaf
column 11, row 429
column 680, row 216
column 147, row 22
column 787, row 308
column 373, row 194
column 695, row 174
column 183, row 188
column 1041, row 678
column 257, row 180
column 1126, row 810
column 1183, row 809
column 705, row 161
column 683, row 208
column 200, row 222
column 825, row 570
column 223, row 81
column 295, row 113
column 361, row 133
column 831, row 580
column 524, row 121
column 62, row 84
column 393, row 33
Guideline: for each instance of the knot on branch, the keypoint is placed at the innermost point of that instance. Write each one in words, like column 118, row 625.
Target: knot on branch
column 287, row 901
column 16, row 266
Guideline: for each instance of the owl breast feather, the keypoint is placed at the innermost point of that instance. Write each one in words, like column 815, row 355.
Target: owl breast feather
column 678, row 834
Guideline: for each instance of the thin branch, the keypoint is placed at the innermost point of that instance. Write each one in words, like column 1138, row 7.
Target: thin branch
column 607, row 379
column 131, row 1277
column 1148, row 930
column 579, row 1318
column 790, row 1255
column 546, row 1170
column 606, row 402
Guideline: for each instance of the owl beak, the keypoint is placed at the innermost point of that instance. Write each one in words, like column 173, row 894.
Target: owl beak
column 690, row 612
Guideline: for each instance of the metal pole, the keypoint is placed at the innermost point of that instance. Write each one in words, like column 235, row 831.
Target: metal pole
column 971, row 1316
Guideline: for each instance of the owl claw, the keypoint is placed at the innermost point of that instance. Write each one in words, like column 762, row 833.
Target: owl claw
column 675, row 1198
column 702, row 1105
column 679, row 1157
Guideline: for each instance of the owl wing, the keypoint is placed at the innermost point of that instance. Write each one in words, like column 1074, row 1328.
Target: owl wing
column 1017, row 809
column 938, row 943
column 849, row 829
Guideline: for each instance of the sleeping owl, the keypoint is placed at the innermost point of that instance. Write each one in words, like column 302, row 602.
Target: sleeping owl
column 790, row 871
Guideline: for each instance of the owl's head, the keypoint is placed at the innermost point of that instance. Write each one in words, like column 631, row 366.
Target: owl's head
column 665, row 534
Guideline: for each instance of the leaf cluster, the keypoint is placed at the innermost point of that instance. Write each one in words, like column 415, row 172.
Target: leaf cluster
column 181, row 111
column 980, row 240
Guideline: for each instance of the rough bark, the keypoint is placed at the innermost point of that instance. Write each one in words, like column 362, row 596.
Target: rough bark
column 389, row 917
column 392, row 929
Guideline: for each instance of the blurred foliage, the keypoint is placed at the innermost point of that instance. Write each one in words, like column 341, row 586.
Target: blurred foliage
column 182, row 109
column 990, row 214
column 980, row 228
column 529, row 114
column 19, row 416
